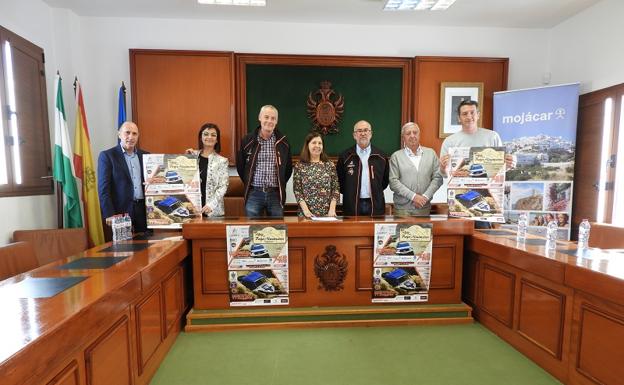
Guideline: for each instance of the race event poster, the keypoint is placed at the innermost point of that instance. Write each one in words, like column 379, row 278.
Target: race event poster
column 257, row 257
column 402, row 262
column 476, row 183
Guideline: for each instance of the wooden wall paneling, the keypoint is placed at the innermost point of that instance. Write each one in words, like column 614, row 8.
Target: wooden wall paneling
column 543, row 322
column 597, row 340
column 430, row 72
column 243, row 59
column 470, row 282
column 446, row 269
column 108, row 360
column 353, row 239
column 541, row 316
column 175, row 92
column 497, row 293
column 172, row 288
column 297, row 269
column 213, row 290
column 149, row 326
column 529, row 312
column 315, row 293
column 364, row 268
column 444, row 259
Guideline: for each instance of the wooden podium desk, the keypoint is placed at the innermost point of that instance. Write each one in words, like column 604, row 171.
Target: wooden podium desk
column 114, row 327
column 564, row 309
column 352, row 237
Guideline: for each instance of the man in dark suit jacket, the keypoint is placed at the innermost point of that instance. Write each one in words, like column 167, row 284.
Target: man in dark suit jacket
column 120, row 178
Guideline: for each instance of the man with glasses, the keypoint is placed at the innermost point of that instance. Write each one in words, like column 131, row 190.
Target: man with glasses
column 363, row 174
column 264, row 165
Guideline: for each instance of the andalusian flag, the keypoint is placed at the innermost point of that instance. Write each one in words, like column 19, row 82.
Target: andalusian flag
column 85, row 174
column 63, row 168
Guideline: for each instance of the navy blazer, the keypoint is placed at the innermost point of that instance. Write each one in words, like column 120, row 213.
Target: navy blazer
column 114, row 182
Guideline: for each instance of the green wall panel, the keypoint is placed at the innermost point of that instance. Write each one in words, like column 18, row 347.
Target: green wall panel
column 371, row 94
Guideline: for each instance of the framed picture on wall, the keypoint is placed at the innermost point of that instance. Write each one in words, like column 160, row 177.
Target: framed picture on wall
column 451, row 94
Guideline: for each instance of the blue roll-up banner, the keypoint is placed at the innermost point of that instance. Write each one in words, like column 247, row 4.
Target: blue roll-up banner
column 538, row 126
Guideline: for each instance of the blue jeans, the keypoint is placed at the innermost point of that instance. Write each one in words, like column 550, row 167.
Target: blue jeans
column 258, row 201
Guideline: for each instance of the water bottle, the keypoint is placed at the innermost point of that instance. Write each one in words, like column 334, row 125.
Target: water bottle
column 127, row 226
column 116, row 229
column 551, row 234
column 522, row 227
column 583, row 234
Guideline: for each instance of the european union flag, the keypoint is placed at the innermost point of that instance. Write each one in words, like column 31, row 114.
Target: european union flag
column 121, row 112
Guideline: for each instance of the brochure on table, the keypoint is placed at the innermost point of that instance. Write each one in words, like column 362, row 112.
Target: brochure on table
column 402, row 262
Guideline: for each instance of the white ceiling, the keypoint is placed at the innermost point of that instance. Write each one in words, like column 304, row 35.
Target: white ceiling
column 465, row 13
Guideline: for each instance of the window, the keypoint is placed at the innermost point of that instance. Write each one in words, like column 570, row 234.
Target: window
column 25, row 162
column 605, row 154
column 618, row 205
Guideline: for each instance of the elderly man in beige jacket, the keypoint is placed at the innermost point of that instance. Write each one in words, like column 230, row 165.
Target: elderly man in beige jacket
column 414, row 174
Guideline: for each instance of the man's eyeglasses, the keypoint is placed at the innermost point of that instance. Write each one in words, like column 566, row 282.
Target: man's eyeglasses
column 362, row 131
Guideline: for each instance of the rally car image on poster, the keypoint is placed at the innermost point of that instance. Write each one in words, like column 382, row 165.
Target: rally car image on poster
column 477, row 204
column 258, row 287
column 170, row 211
column 398, row 284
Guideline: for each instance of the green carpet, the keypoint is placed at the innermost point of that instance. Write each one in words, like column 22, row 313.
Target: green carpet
column 436, row 355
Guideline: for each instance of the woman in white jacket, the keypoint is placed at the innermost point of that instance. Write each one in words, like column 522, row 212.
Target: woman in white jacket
column 213, row 170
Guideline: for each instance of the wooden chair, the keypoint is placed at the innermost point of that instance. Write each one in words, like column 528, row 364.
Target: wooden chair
column 16, row 258
column 53, row 244
column 234, row 202
column 606, row 236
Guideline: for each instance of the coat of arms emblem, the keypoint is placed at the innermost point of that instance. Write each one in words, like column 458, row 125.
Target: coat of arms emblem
column 325, row 108
column 331, row 269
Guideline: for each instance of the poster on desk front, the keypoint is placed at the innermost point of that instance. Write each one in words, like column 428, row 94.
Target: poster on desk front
column 476, row 183
column 538, row 127
column 257, row 258
column 402, row 262
column 172, row 190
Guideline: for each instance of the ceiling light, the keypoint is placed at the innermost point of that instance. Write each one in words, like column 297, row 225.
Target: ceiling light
column 442, row 5
column 249, row 3
column 418, row 5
